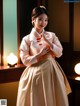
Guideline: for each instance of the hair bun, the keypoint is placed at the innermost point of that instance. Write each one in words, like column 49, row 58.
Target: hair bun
column 43, row 7
column 38, row 11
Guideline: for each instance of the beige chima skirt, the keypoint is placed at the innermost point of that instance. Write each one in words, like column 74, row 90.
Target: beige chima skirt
column 43, row 84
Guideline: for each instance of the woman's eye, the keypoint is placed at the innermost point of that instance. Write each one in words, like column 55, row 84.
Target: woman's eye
column 46, row 20
column 40, row 19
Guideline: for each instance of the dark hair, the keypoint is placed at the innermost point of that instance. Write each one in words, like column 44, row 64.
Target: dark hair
column 38, row 11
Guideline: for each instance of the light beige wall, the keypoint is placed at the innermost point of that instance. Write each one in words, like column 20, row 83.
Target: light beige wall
column 59, row 18
column 76, row 26
column 9, row 91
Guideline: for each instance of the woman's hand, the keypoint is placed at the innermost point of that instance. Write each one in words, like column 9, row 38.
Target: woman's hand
column 47, row 41
column 43, row 36
column 44, row 51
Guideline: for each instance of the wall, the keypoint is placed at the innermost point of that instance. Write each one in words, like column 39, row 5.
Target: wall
column 9, row 91
column 1, row 32
column 10, row 42
column 59, row 19
column 76, row 26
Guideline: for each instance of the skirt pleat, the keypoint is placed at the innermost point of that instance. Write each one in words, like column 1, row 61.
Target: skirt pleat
column 43, row 84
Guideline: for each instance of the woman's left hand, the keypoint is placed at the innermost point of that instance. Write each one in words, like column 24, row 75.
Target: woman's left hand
column 47, row 41
column 43, row 36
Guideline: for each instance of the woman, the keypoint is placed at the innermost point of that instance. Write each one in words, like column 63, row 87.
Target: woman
column 43, row 82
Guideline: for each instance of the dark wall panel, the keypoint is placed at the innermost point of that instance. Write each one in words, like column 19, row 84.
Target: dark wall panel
column 26, row 7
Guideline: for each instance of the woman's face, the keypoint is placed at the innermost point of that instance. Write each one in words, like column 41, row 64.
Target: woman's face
column 41, row 22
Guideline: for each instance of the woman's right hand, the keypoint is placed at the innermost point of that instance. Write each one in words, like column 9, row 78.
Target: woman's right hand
column 44, row 51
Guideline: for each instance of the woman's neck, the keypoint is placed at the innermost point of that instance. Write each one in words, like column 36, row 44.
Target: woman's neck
column 38, row 31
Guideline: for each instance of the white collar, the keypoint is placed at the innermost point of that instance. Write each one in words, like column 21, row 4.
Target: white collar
column 37, row 32
column 32, row 36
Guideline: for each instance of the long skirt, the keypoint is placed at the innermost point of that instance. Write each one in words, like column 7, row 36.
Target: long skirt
column 43, row 84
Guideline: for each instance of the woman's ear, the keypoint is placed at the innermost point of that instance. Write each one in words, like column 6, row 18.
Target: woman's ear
column 32, row 21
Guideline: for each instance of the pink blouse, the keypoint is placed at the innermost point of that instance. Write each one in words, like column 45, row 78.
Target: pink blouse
column 31, row 45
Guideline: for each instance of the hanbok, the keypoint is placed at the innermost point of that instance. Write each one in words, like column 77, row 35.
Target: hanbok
column 43, row 82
